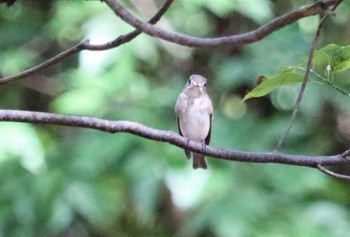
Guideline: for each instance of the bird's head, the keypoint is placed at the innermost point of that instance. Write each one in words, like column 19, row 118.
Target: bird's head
column 196, row 85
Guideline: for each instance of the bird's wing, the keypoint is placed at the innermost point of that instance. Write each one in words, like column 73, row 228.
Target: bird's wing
column 178, row 125
column 188, row 153
column 207, row 139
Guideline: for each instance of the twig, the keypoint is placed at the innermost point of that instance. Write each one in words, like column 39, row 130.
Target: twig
column 306, row 78
column 241, row 39
column 130, row 36
column 84, row 45
column 233, row 40
column 52, row 61
column 302, row 89
column 345, row 154
column 337, row 88
column 169, row 137
column 333, row 174
column 326, row 81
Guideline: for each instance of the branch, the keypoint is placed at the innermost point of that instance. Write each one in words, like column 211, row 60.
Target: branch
column 241, row 39
column 306, row 77
column 52, row 61
column 169, row 137
column 233, row 40
column 85, row 45
column 333, row 174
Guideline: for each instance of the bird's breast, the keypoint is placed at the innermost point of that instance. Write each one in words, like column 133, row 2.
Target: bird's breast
column 195, row 120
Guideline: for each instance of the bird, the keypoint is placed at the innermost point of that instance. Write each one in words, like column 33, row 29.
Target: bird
column 194, row 113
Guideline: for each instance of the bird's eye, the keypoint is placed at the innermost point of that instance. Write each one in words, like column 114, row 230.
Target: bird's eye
column 189, row 81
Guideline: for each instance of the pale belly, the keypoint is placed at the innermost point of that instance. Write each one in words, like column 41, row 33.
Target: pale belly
column 195, row 124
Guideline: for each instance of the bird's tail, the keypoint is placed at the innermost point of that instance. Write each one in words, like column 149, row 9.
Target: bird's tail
column 188, row 154
column 198, row 161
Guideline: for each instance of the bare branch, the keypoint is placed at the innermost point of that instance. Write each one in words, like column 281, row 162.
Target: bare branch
column 84, row 45
column 233, row 40
column 302, row 88
column 346, row 154
column 306, row 77
column 130, row 36
column 169, row 137
column 333, row 174
column 52, row 61
column 236, row 40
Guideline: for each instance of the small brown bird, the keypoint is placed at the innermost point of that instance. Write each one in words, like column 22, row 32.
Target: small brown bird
column 194, row 112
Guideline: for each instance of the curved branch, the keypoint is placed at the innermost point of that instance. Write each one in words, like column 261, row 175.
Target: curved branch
column 233, row 40
column 169, row 137
column 241, row 39
column 52, row 61
column 85, row 45
column 133, row 34
column 333, row 174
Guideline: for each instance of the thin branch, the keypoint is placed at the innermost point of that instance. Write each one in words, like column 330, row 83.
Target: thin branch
column 325, row 81
column 169, row 137
column 241, row 39
column 345, row 154
column 306, row 78
column 337, row 88
column 302, row 89
column 133, row 34
column 233, row 40
column 85, row 45
column 48, row 63
column 333, row 174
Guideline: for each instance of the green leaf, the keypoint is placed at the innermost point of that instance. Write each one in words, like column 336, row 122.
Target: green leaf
column 341, row 60
column 321, row 59
column 337, row 57
column 268, row 84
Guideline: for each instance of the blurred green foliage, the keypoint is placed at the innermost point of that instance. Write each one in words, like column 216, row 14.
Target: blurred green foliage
column 58, row 181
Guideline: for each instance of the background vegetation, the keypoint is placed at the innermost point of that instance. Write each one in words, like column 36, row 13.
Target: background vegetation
column 59, row 181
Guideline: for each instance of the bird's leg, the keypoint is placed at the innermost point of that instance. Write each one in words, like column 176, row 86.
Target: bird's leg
column 187, row 141
column 203, row 145
column 187, row 152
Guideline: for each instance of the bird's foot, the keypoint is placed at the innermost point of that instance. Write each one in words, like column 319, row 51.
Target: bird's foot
column 203, row 145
